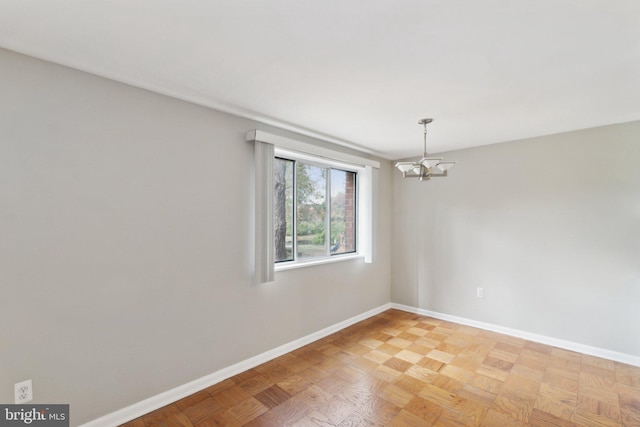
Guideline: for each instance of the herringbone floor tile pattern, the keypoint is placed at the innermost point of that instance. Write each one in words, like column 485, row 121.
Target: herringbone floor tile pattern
column 402, row 369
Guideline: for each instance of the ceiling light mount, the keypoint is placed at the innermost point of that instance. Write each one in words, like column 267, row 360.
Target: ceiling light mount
column 423, row 169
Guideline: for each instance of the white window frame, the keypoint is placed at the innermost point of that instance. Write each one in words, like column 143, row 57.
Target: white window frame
column 267, row 144
column 329, row 164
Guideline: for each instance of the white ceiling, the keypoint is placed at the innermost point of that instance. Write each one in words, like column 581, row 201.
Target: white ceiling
column 362, row 72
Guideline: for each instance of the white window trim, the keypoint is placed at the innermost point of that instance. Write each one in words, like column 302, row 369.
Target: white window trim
column 325, row 163
column 306, row 148
column 290, row 265
column 264, row 234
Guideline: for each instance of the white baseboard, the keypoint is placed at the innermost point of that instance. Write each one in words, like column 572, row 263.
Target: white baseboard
column 567, row 345
column 151, row 404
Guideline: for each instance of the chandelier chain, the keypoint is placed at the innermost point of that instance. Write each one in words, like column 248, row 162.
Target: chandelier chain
column 425, row 140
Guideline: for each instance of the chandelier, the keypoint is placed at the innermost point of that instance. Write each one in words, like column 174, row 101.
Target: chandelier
column 424, row 168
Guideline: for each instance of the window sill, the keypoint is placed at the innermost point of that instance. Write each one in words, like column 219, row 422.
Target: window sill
column 300, row 264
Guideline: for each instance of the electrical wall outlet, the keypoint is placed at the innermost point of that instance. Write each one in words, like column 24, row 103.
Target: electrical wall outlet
column 23, row 392
column 480, row 292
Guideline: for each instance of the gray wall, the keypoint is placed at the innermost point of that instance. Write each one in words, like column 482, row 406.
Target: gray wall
column 125, row 244
column 549, row 226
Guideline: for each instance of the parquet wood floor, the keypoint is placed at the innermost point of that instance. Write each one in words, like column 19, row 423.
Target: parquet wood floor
column 402, row 369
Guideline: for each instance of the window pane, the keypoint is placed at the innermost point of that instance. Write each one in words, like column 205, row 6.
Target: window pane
column 343, row 211
column 283, row 208
column 311, row 185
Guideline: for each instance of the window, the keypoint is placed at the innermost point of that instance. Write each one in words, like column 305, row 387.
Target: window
column 331, row 221
column 314, row 208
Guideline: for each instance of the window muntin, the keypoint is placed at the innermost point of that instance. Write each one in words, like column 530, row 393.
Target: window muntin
column 313, row 200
